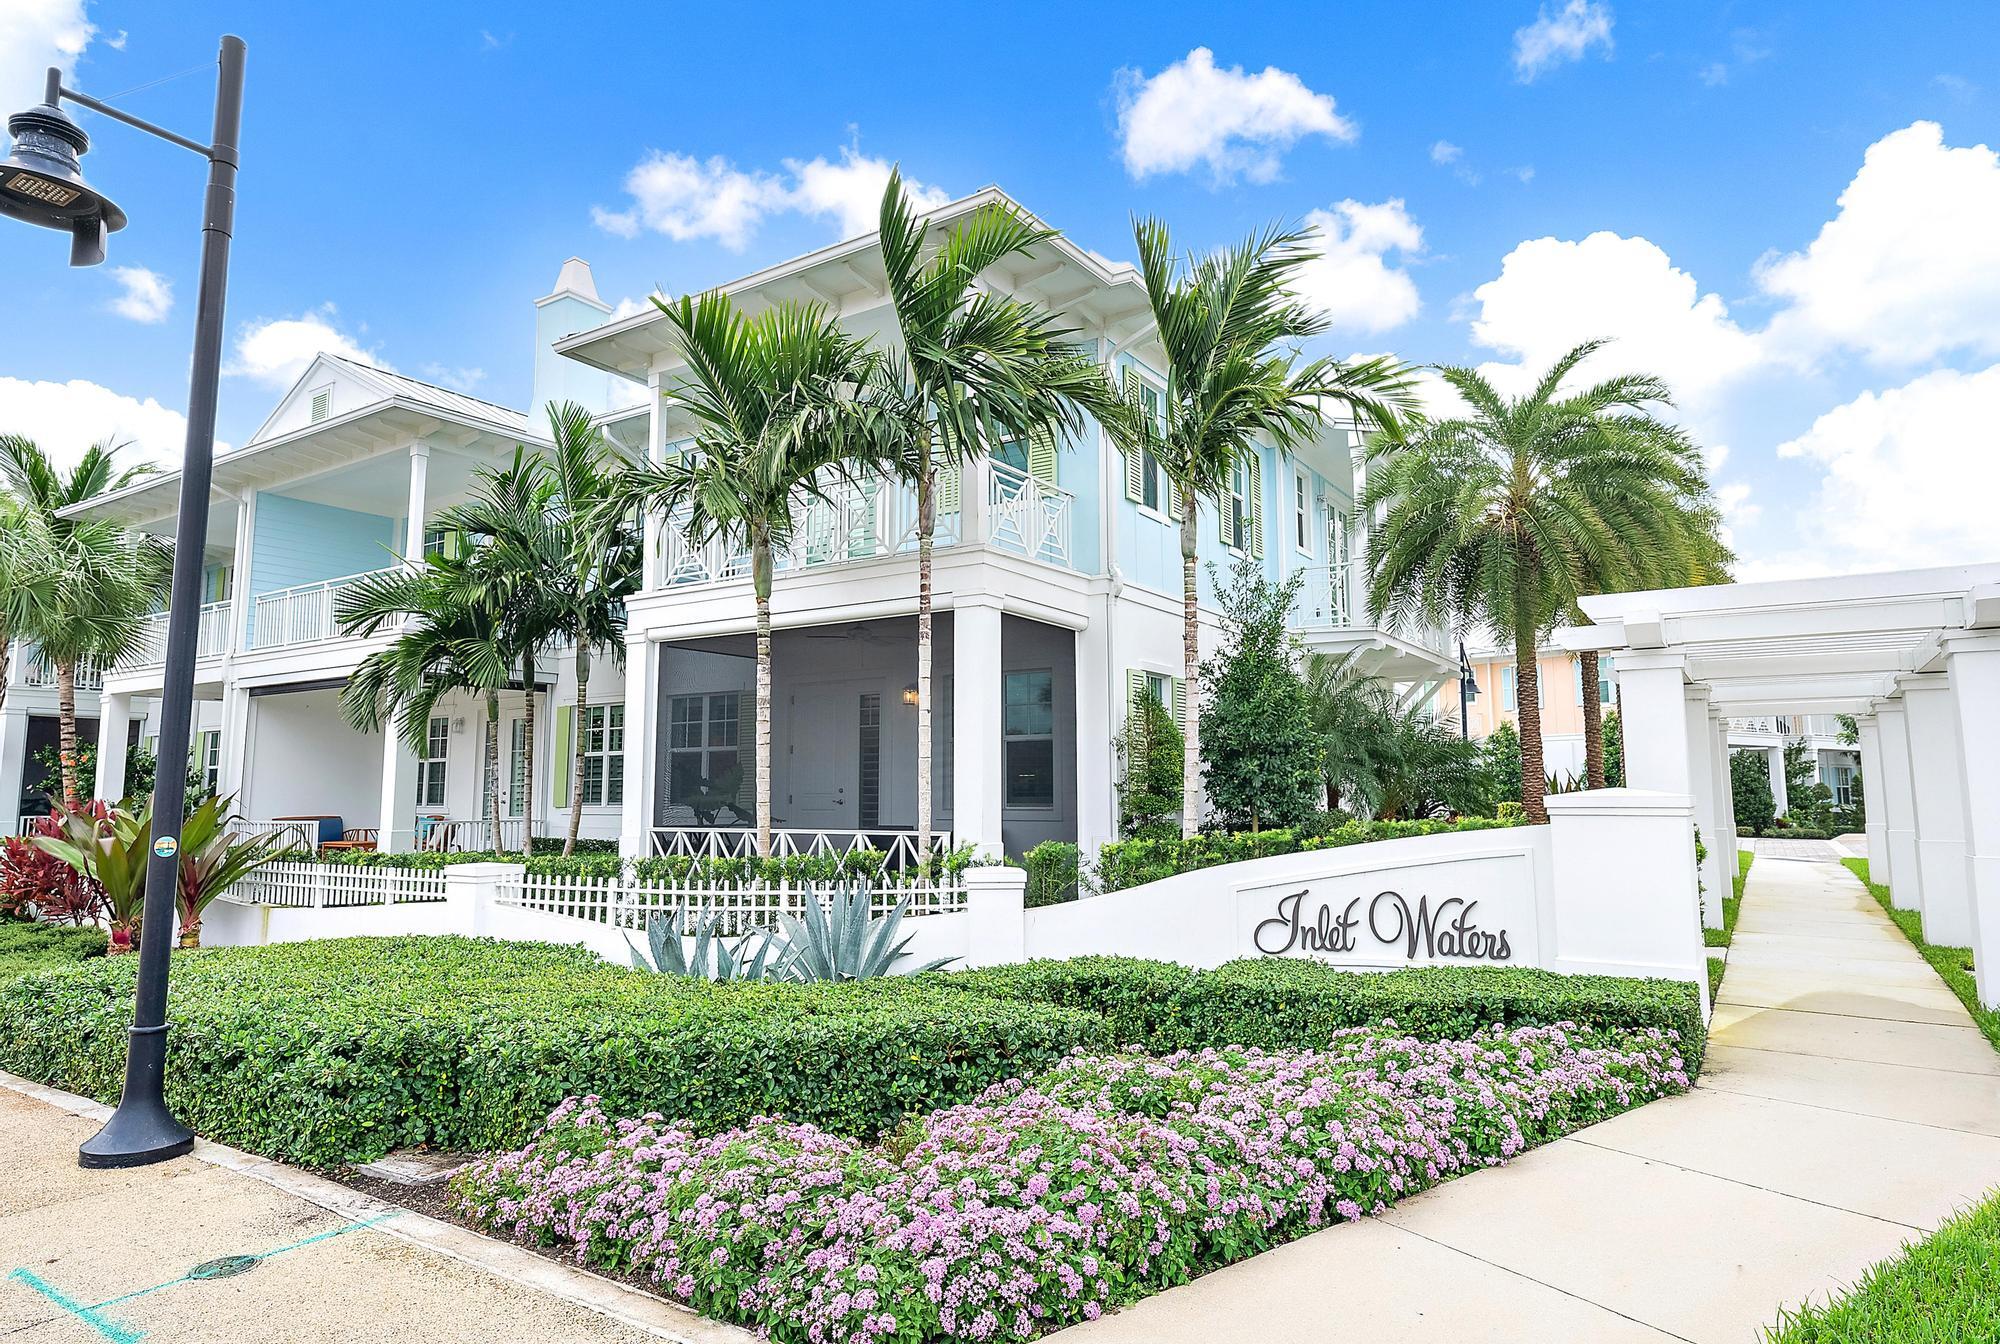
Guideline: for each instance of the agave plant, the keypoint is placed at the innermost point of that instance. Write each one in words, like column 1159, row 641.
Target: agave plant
column 213, row 858
column 844, row 940
column 757, row 955
column 110, row 847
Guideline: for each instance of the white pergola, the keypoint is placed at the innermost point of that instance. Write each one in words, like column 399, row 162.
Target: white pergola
column 1914, row 655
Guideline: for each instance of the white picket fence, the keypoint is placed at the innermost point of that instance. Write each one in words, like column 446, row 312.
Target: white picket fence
column 324, row 886
column 629, row 903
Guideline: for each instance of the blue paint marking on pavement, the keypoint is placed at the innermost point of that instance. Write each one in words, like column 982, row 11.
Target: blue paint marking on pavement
column 117, row 1332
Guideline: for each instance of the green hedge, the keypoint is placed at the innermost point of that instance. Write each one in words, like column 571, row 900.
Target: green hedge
column 1054, row 868
column 341, row 1050
column 1283, row 1003
column 26, row 946
column 1131, row 863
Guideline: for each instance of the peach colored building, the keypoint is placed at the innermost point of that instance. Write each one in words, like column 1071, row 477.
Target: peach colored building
column 1561, row 700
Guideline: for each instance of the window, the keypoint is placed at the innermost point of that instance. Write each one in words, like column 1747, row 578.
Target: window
column 431, row 766
column 434, row 542
column 1145, row 483
column 1030, row 741
column 1236, row 522
column 517, row 771
column 322, row 403
column 208, row 760
column 1607, row 681
column 1839, row 779
column 871, row 760
column 1510, row 691
column 603, row 728
column 701, row 744
column 1301, row 513
column 1161, row 687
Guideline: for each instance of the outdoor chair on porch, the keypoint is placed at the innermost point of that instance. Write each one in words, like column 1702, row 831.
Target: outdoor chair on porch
column 354, row 837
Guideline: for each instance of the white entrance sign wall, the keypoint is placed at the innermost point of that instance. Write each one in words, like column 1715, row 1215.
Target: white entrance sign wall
column 1937, row 782
column 1470, row 909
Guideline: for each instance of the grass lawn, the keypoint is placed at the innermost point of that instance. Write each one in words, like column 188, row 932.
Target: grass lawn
column 1953, row 965
column 1732, row 905
column 1944, row 1289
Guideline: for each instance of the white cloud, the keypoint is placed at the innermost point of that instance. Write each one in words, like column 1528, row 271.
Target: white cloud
column 1552, row 295
column 276, row 352
column 464, row 379
column 1909, row 474
column 687, row 198
column 66, row 418
column 34, row 35
column 1738, row 509
column 1194, row 113
column 1351, row 280
column 1557, row 37
column 1444, row 151
column 144, row 296
column 1909, row 267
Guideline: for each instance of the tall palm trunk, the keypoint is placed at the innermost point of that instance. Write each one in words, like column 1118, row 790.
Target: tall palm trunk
column 1190, row 669
column 527, row 753
column 576, row 765
column 6, row 671
column 1593, row 720
column 926, row 522
column 492, row 765
column 1528, row 702
column 66, row 730
column 760, row 578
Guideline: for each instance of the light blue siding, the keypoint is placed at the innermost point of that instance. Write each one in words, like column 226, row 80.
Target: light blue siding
column 297, row 541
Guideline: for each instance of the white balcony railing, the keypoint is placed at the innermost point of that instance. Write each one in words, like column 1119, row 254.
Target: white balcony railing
column 1027, row 515
column 38, row 673
column 302, row 614
column 214, row 636
column 1324, row 600
column 715, row 842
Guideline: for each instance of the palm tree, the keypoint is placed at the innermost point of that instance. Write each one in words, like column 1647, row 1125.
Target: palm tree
column 1508, row 514
column 106, row 583
column 453, row 637
column 775, row 418
column 975, row 369
column 29, row 573
column 1229, row 324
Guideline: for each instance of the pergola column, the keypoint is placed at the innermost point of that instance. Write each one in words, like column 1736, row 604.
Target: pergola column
column 1899, row 803
column 1874, row 814
column 1725, row 795
column 1972, row 661
column 1774, row 759
column 1700, row 730
column 1937, row 782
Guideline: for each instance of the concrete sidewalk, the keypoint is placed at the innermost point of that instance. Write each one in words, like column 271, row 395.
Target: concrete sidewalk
column 1848, row 1104
column 104, row 1257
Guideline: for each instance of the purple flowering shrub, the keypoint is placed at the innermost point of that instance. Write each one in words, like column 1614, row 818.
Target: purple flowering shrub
column 1050, row 1200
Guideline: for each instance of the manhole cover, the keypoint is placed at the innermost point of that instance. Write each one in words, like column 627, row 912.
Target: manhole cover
column 228, row 1267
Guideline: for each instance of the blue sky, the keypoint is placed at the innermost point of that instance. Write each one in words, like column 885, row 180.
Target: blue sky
column 1787, row 210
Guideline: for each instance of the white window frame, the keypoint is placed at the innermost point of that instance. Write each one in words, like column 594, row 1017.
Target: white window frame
column 707, row 747
column 597, row 727
column 1008, row 739
column 434, row 766
column 435, row 540
column 1151, row 472
column 211, row 760
column 1160, row 685
column 1238, row 502
column 1302, row 512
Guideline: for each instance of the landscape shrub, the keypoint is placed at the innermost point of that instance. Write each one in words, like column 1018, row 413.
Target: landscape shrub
column 1131, row 863
column 1049, row 1201
column 1140, row 999
column 28, row 946
column 341, row 1050
column 1053, row 870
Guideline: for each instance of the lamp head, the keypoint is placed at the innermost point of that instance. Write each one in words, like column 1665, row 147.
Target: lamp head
column 42, row 183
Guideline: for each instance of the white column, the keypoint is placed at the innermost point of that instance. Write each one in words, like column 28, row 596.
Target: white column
column 973, row 485
column 656, row 453
column 114, row 719
column 413, row 526
column 1096, row 790
column 977, row 722
column 398, row 822
column 1899, row 806
column 235, row 772
column 642, row 748
column 13, row 759
column 1972, row 660
column 1937, row 784
column 1652, row 717
column 1725, row 797
column 1649, row 927
column 1707, row 804
column 1875, row 825
column 1774, row 758
column 239, row 570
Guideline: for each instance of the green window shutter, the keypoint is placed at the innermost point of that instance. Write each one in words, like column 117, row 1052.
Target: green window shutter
column 1225, row 522
column 947, row 485
column 1135, row 690
column 1180, row 704
column 1042, row 455
column 1135, row 465
column 1257, row 506
column 454, row 544
column 561, row 766
column 1176, row 501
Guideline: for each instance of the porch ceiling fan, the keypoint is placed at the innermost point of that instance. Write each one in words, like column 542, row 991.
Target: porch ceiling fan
column 861, row 631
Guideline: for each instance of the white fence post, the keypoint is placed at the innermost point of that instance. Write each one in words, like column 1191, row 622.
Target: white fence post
column 1625, row 900
column 470, row 892
column 996, row 915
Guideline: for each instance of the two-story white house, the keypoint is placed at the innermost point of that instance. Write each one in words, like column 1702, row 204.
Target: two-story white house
column 1057, row 598
column 30, row 728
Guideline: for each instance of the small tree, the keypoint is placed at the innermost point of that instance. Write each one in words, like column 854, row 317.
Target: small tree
column 1503, row 759
column 1801, row 773
column 1149, row 789
column 1614, row 751
column 1259, row 749
column 1750, row 786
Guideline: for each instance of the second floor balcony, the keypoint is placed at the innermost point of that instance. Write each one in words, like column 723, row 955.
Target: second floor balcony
column 214, row 633
column 303, row 614
column 874, row 516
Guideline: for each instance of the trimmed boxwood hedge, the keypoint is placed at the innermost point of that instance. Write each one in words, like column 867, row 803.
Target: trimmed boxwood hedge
column 1282, row 1003
column 1131, row 863
column 341, row 1050
column 27, row 946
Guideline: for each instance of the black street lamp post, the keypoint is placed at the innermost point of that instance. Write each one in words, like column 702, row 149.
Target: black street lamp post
column 1468, row 691
column 42, row 183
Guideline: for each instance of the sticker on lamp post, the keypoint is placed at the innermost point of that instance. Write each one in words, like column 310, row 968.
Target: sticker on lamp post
column 166, row 847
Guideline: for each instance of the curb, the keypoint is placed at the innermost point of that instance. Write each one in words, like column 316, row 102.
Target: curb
column 503, row 1260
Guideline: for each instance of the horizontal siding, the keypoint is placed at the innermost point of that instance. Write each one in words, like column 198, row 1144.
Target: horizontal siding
column 298, row 541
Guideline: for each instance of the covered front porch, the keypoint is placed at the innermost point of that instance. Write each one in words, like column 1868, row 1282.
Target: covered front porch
column 1005, row 737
